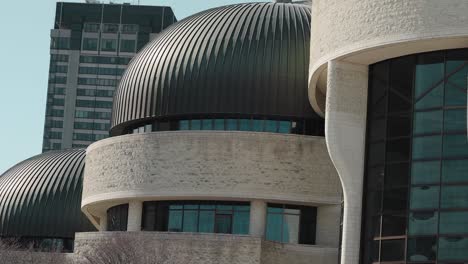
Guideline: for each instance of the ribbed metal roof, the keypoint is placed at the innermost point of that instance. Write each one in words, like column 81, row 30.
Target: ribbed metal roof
column 239, row 59
column 41, row 196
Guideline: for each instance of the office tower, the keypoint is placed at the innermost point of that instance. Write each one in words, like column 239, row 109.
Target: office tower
column 91, row 45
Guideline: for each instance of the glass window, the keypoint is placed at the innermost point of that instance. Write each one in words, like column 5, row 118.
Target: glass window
column 399, row 125
column 195, row 124
column 60, row 43
column 245, row 125
column 455, row 120
column 219, row 124
column 429, row 80
column 90, row 44
column 427, row 122
column 284, row 224
column 284, row 127
column 127, row 45
column 398, row 150
column 456, row 145
column 422, row 249
column 92, row 27
column 257, row 125
column 129, row 28
column 454, row 223
column 207, row 124
column 117, row 218
column 175, row 221
column 231, row 124
column 271, row 126
column 111, row 28
column 423, row 223
column 393, row 225
column 453, row 248
column 206, row 224
column 190, row 223
column 424, row 197
column 426, row 147
column 454, row 197
column 109, row 45
column 425, row 172
column 392, row 250
column 455, row 171
column 455, row 87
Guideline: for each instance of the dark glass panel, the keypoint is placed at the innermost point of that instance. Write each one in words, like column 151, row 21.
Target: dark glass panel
column 240, row 223
column 453, row 248
column 398, row 150
column 219, row 124
column 374, row 202
column 274, row 227
column 432, row 99
column 453, row 223
column 207, row 124
column 117, row 217
column 427, row 122
column 392, row 250
column 425, row 172
column 454, row 197
column 427, row 147
column 195, row 125
column 456, row 84
column 257, row 125
column 245, row 125
column 399, row 125
column 423, row 223
column 429, row 72
column 376, row 153
column 184, row 125
column 455, row 120
column 149, row 216
column 455, row 171
column 375, row 178
column 231, row 124
column 401, row 77
column 175, row 221
column 397, row 175
column 190, row 222
column 455, row 146
column 284, row 127
column 377, row 129
column 271, row 126
column 206, row 223
column 223, row 224
column 395, row 199
column 394, row 225
column 397, row 102
column 308, row 224
column 378, row 92
column 424, row 197
column 422, row 249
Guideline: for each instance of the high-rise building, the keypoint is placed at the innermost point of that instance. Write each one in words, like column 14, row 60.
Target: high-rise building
column 91, row 45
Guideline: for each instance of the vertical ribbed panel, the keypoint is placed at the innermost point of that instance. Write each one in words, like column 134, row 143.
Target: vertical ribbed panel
column 41, row 196
column 247, row 59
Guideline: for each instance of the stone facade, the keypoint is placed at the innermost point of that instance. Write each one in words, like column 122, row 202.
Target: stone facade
column 208, row 165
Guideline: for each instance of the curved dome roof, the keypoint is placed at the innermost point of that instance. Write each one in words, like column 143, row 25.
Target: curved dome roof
column 41, row 196
column 240, row 59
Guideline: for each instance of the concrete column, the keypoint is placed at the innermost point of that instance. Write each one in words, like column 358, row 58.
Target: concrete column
column 345, row 130
column 135, row 212
column 258, row 211
column 103, row 223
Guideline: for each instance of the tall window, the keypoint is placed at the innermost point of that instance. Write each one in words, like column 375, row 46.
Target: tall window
column 109, row 45
column 127, row 45
column 90, row 44
column 117, row 218
column 291, row 224
column 417, row 160
column 203, row 217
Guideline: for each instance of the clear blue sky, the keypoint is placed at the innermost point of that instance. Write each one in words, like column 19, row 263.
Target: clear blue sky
column 24, row 52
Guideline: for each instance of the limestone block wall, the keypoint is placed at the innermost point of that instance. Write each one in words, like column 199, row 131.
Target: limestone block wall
column 165, row 248
column 276, row 253
column 208, row 165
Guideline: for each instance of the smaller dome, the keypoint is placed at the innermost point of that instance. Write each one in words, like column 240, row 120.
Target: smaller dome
column 41, row 196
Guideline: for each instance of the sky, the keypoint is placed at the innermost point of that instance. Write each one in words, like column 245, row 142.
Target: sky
column 24, row 67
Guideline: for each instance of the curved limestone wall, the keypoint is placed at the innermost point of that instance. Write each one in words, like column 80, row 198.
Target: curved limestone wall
column 208, row 165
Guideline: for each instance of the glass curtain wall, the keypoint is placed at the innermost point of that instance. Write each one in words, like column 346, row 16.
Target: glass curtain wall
column 416, row 188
